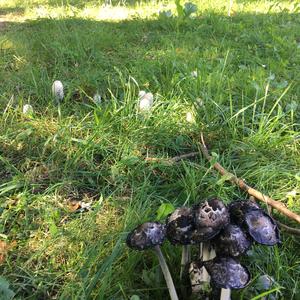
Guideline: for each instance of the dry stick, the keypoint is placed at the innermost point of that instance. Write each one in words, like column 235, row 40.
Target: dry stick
column 173, row 159
column 183, row 156
column 251, row 191
column 288, row 229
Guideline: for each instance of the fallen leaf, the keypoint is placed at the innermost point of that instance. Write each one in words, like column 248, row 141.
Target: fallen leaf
column 73, row 206
column 79, row 206
column 4, row 247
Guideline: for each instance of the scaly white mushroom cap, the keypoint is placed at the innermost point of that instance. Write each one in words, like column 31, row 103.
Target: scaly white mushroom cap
column 27, row 109
column 97, row 99
column 58, row 90
column 146, row 101
column 142, row 94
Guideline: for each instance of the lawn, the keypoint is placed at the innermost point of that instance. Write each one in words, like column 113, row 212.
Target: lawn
column 238, row 79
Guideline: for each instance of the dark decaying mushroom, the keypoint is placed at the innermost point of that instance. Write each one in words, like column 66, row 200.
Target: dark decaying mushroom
column 180, row 226
column 232, row 241
column 147, row 235
column 259, row 225
column 238, row 208
column 209, row 218
column 262, row 228
column 227, row 273
column 152, row 235
column 227, row 233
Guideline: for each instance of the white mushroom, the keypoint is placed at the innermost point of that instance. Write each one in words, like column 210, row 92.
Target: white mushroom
column 58, row 90
column 97, row 99
column 145, row 101
column 27, row 109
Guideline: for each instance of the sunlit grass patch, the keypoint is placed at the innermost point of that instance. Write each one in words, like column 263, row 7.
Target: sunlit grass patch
column 14, row 10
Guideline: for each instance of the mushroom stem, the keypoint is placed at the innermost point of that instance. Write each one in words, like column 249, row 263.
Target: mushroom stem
column 225, row 294
column 166, row 272
column 208, row 253
column 205, row 255
column 184, row 272
column 185, row 259
column 200, row 284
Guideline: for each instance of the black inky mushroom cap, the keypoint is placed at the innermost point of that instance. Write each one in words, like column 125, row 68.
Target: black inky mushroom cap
column 209, row 218
column 262, row 228
column 232, row 241
column 227, row 273
column 237, row 210
column 147, row 235
column 180, row 226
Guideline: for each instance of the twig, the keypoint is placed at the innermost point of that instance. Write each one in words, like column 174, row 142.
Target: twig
column 173, row 159
column 251, row 191
column 288, row 229
column 183, row 156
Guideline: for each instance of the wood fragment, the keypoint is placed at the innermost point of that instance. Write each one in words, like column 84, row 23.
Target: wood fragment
column 288, row 229
column 183, row 156
column 251, row 191
column 173, row 159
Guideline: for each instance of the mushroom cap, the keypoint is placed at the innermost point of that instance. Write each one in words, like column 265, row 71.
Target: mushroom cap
column 232, row 241
column 203, row 234
column 209, row 218
column 58, row 90
column 227, row 273
column 147, row 235
column 264, row 282
column 180, row 226
column 237, row 210
column 262, row 228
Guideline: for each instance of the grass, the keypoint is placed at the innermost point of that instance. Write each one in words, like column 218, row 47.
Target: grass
column 245, row 99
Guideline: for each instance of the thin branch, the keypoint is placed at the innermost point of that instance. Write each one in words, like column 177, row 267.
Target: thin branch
column 251, row 191
column 172, row 159
column 288, row 229
column 183, row 156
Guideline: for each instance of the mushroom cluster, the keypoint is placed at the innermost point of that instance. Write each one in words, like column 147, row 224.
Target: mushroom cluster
column 223, row 234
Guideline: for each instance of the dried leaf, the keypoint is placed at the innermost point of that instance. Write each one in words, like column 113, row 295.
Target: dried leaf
column 73, row 206
column 4, row 248
column 80, row 206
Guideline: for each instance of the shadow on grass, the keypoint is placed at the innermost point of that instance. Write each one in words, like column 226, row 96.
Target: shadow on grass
column 11, row 10
column 157, row 53
column 233, row 57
